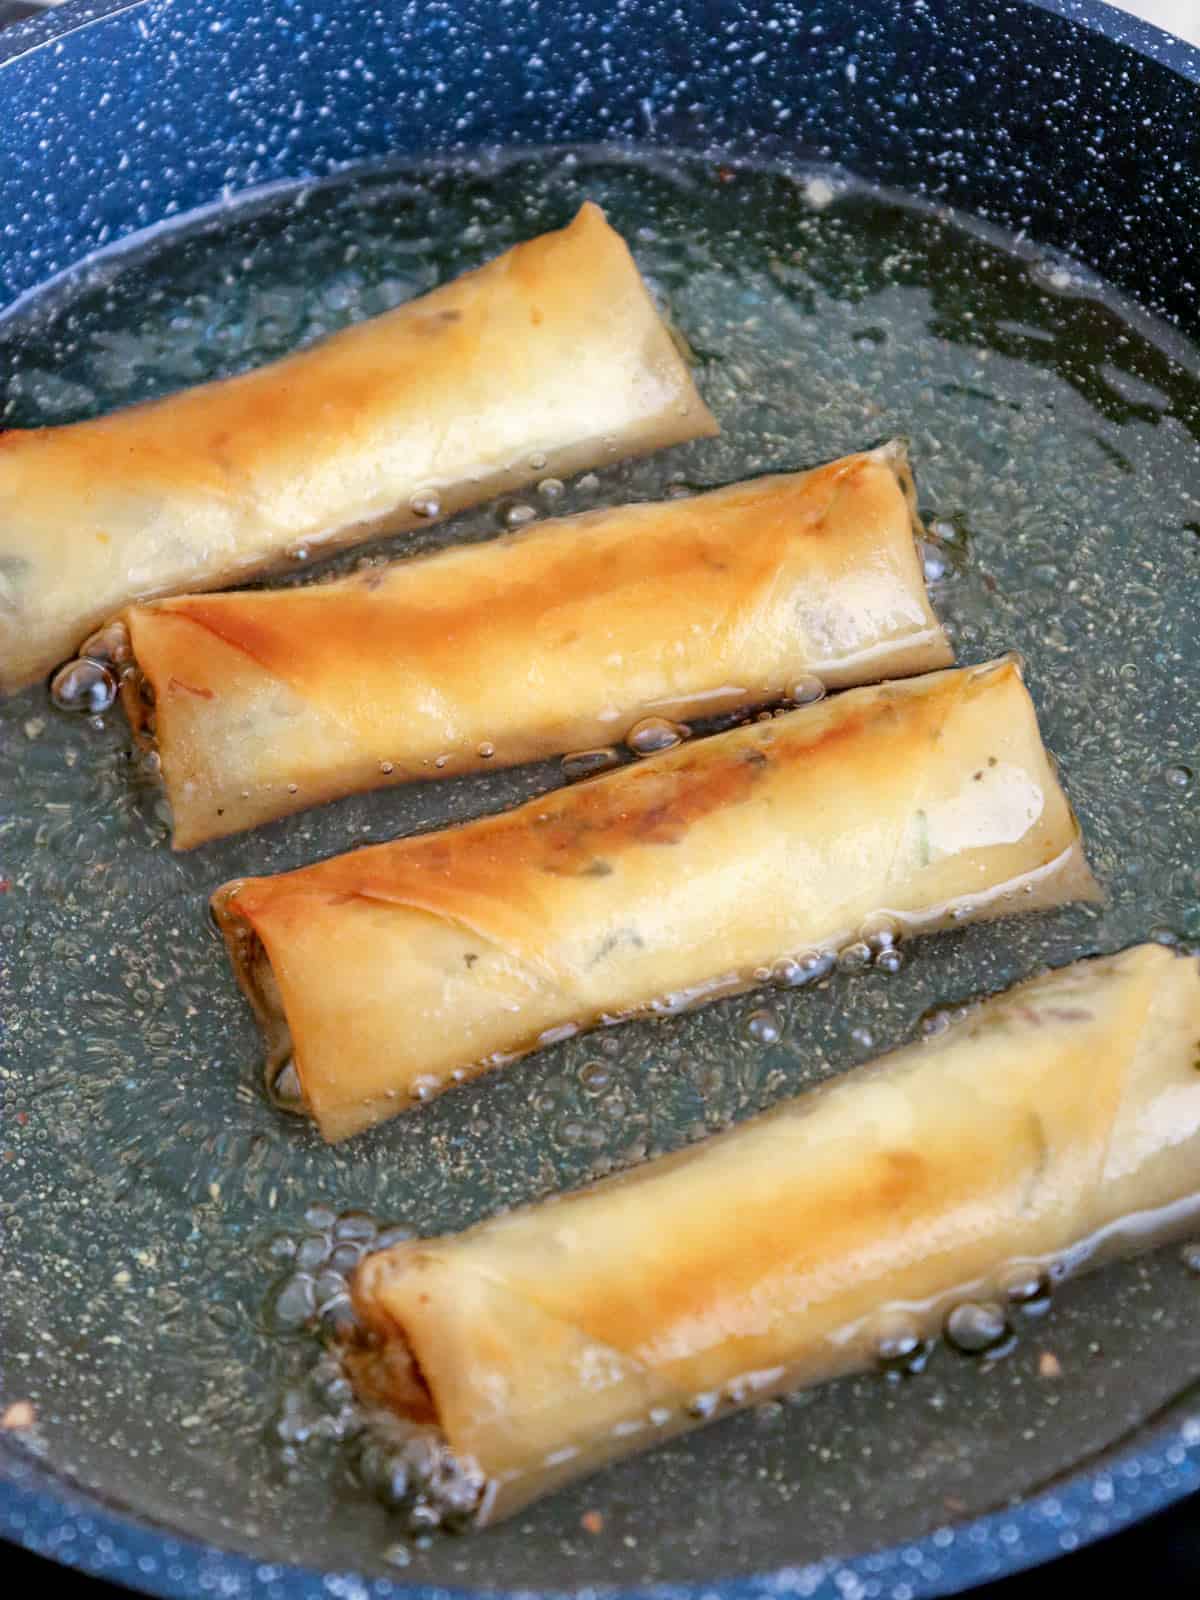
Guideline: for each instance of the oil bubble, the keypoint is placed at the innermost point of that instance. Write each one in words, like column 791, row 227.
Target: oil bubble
column 410, row 1470
column 345, row 1257
column 425, row 505
column 1178, row 777
column 331, row 1385
column 391, row 1484
column 339, row 1320
column 109, row 645
column 793, row 972
column 424, row 1516
column 327, row 1287
column 595, row 1076
column 806, row 691
column 879, row 931
column 854, row 957
column 355, row 1225
column 295, row 1303
column 286, row 1091
column 551, row 489
column 769, row 1415
column 762, row 1027
column 312, row 1251
column 296, row 1422
column 976, row 1327
column 652, row 735
column 572, row 1131
column 586, row 763
column 397, row 1233
column 83, row 686
column 933, row 564
column 486, row 750
column 900, row 1349
column 939, row 1018
column 1028, row 1290
column 1190, row 1256
column 517, row 516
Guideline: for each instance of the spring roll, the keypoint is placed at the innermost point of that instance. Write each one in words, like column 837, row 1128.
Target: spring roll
column 549, row 359
column 1053, row 1126
column 391, row 972
column 556, row 639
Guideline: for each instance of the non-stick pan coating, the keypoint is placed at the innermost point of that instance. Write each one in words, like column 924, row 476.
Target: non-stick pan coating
column 162, row 108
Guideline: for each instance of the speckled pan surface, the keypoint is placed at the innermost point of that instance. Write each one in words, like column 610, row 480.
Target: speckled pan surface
column 1035, row 117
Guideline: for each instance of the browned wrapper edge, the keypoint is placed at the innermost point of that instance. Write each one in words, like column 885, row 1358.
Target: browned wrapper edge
column 893, row 453
column 383, row 1362
column 577, row 457
column 1066, row 879
column 246, row 951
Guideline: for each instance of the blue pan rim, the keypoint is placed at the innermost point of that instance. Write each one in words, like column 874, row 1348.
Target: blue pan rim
column 78, row 1531
column 1150, row 41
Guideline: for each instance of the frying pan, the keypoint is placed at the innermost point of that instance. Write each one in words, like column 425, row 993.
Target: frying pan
column 1060, row 119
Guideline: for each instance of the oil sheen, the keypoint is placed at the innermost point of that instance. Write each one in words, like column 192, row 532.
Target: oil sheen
column 150, row 1195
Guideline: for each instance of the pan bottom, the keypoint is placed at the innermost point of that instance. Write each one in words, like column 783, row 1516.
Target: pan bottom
column 156, row 1202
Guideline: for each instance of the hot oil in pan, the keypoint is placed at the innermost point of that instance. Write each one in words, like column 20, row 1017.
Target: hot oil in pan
column 149, row 1196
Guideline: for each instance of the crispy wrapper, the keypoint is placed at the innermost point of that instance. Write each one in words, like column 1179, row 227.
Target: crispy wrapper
column 557, row 639
column 392, row 972
column 547, row 360
column 1051, row 1127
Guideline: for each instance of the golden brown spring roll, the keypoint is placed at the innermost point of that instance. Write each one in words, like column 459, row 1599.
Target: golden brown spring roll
column 543, row 1343
column 556, row 639
column 547, row 360
column 391, row 972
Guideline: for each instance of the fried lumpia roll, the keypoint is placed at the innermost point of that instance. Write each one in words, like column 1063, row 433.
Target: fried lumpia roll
column 390, row 973
column 541, row 1344
column 556, row 639
column 547, row 360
